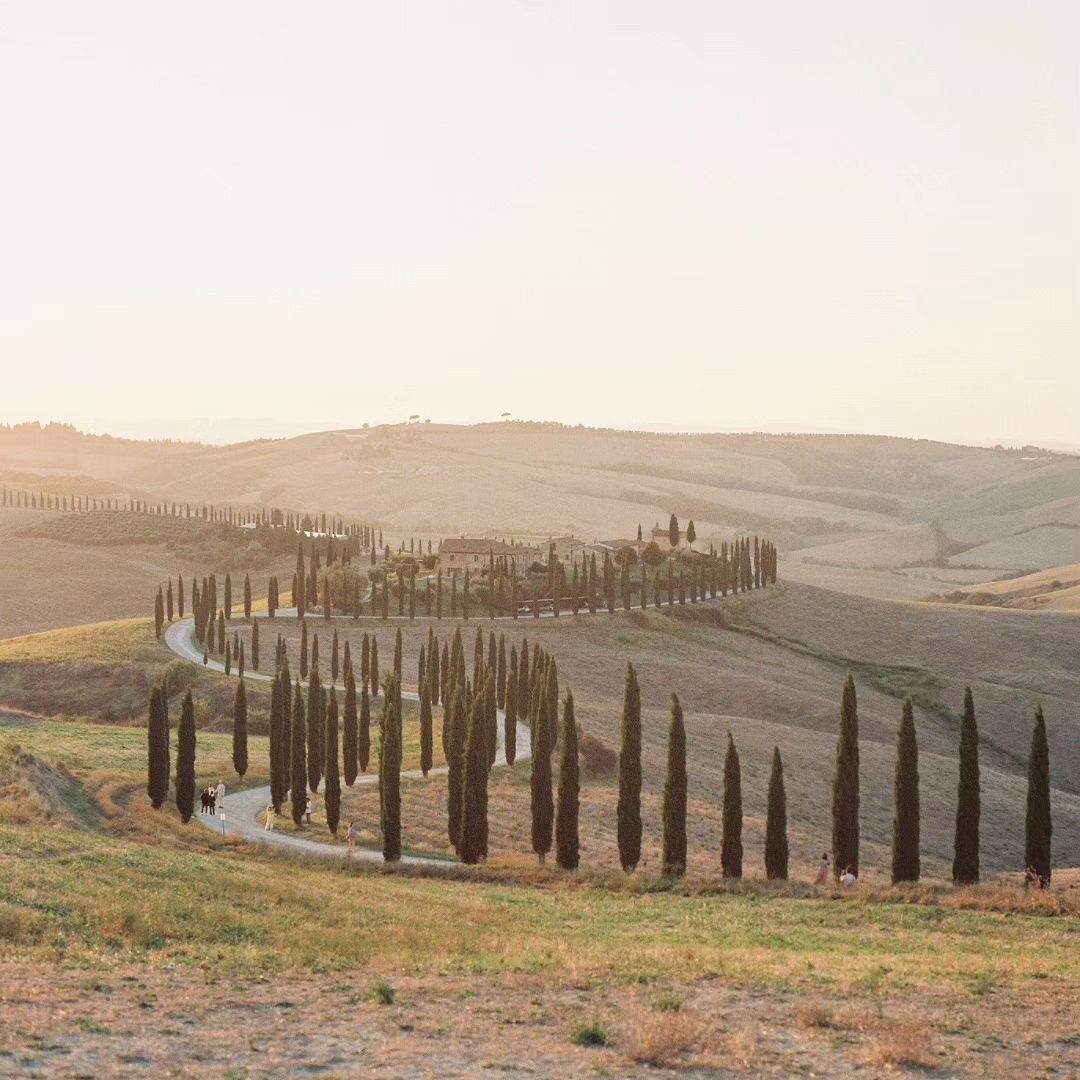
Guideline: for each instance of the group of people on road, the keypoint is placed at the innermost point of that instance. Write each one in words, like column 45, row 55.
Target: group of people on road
column 211, row 796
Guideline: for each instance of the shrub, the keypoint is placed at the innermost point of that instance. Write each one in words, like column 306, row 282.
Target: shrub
column 589, row 1033
column 599, row 759
column 382, row 992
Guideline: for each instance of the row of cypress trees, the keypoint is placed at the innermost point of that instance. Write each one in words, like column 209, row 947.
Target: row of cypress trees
column 1038, row 827
column 471, row 708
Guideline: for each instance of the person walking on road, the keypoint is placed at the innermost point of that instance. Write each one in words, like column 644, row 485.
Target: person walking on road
column 350, row 839
column 269, row 825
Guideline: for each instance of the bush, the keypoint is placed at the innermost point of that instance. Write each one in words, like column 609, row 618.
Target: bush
column 589, row 1033
column 382, row 992
column 599, row 760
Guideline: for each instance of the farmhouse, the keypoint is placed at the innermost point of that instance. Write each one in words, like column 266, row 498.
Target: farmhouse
column 475, row 554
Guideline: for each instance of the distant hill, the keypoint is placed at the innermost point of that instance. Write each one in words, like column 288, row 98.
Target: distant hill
column 863, row 513
column 1056, row 589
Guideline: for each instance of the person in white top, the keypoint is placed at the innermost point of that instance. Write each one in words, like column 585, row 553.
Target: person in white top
column 269, row 817
column 219, row 791
column 847, row 878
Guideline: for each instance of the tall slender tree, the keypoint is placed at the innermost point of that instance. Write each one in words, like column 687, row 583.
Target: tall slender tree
column 298, row 763
column 968, row 799
column 905, row 844
column 332, row 780
column 1038, row 828
column 157, row 750
column 731, row 851
column 845, row 802
column 350, row 729
column 510, row 715
column 674, row 813
column 255, row 645
column 472, row 846
column 455, row 761
column 776, row 841
column 363, row 732
column 390, row 771
column 426, row 732
column 629, row 808
column 567, row 853
column 316, row 730
column 185, row 760
column 240, row 733
column 543, row 806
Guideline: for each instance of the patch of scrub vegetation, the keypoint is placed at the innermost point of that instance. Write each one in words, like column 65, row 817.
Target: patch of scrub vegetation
column 922, row 686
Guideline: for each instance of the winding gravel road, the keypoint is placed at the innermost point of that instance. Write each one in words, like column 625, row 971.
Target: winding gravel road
column 243, row 809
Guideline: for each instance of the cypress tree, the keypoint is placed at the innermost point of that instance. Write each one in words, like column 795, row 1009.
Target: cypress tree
column 365, row 661
column 455, row 754
column 169, row 602
column 247, row 596
column 566, row 815
column 240, row 738
column 240, row 662
column 346, row 660
column 472, row 845
column 303, row 649
column 511, row 713
column 500, row 674
column 278, row 760
column 374, row 666
column 674, row 814
column 390, row 771
column 221, row 632
column 691, row 533
column 228, row 657
column 524, row 682
column 465, row 597
column 731, row 851
column 334, row 659
column 180, row 596
column 1038, row 827
column 185, row 760
column 313, row 666
column 315, row 709
column 350, row 729
column 968, row 808
column 543, row 806
column 629, row 809
column 776, row 841
column 905, row 845
column 426, row 732
column 363, row 733
column 332, row 781
column 673, row 532
column 397, row 654
column 157, row 746
column 255, row 645
column 228, row 596
column 159, row 614
column 845, row 803
column 298, row 764
column 443, row 672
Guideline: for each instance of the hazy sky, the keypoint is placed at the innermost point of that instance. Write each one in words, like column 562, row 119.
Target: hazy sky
column 852, row 216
